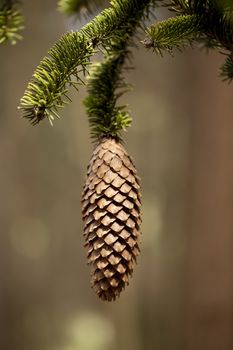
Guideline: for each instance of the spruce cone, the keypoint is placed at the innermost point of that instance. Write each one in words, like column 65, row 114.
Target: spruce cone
column 111, row 214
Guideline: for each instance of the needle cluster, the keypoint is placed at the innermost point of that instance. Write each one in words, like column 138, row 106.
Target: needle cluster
column 11, row 22
column 207, row 22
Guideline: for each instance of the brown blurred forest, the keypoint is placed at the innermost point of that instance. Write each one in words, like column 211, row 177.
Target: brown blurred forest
column 181, row 293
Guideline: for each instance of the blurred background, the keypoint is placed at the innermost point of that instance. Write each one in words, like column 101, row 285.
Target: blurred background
column 181, row 293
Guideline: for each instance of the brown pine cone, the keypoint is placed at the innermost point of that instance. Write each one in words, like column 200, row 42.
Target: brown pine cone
column 111, row 214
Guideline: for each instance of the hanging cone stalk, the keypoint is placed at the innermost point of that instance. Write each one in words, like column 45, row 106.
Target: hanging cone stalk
column 111, row 214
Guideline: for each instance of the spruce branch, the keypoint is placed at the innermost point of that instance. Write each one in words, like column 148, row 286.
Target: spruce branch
column 213, row 23
column 74, row 7
column 209, row 22
column 11, row 22
column 106, row 82
column 173, row 33
column 105, row 85
column 48, row 89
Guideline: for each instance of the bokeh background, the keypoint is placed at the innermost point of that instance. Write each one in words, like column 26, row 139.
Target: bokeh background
column 181, row 294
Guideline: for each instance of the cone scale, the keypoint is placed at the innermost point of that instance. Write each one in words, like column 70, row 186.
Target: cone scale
column 111, row 214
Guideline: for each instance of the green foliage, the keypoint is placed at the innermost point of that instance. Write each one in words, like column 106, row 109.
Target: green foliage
column 105, row 117
column 105, row 85
column 47, row 91
column 48, row 88
column 11, row 22
column 174, row 33
column 209, row 22
column 106, row 82
column 74, row 7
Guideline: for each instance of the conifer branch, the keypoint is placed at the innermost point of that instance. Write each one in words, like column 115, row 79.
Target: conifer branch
column 209, row 22
column 214, row 23
column 47, row 91
column 74, row 7
column 106, row 82
column 11, row 22
column 105, row 85
column 173, row 33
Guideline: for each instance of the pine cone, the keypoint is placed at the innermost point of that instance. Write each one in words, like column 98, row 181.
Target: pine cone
column 111, row 214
